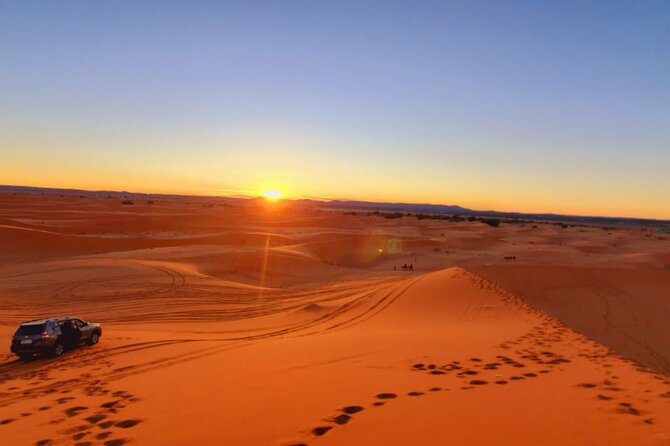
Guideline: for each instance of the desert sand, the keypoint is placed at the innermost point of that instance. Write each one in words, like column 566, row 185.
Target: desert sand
column 257, row 323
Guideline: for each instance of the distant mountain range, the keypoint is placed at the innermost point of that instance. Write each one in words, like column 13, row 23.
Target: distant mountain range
column 354, row 205
column 401, row 207
column 459, row 210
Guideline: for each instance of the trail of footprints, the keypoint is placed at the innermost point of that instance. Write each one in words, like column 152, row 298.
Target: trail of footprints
column 77, row 424
column 89, row 426
column 535, row 354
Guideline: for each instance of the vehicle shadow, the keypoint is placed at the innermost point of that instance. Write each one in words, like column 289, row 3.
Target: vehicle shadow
column 12, row 367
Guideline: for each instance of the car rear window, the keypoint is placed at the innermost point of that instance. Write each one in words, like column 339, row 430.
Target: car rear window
column 25, row 330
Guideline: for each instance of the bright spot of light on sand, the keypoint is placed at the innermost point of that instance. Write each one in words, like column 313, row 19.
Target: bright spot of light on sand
column 272, row 194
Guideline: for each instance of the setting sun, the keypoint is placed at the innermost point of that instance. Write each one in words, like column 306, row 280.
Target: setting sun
column 272, row 194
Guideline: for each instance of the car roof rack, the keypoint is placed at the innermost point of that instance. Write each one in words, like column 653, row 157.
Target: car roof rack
column 48, row 319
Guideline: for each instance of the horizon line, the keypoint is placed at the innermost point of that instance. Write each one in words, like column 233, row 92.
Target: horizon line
column 250, row 196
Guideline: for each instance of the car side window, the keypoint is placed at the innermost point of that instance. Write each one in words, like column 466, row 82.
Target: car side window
column 81, row 323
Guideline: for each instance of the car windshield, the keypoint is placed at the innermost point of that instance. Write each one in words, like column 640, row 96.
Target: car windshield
column 30, row 330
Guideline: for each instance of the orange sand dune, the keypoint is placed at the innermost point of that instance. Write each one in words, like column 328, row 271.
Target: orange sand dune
column 287, row 325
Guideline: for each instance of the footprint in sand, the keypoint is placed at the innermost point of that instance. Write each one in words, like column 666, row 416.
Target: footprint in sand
column 345, row 416
column 386, row 396
column 628, row 409
column 79, row 436
column 125, row 424
column 321, row 430
column 478, row 382
column 115, row 442
column 75, row 410
column 350, row 410
column 342, row 418
column 415, row 393
column 95, row 418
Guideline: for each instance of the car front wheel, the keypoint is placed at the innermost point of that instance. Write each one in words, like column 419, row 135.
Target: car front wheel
column 95, row 337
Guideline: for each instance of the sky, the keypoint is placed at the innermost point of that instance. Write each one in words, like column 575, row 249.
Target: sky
column 525, row 106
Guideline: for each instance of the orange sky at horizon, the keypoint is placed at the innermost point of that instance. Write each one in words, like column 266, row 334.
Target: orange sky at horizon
column 289, row 191
column 628, row 186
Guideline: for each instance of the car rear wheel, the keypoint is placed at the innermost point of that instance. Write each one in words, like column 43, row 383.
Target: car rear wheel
column 95, row 337
column 58, row 350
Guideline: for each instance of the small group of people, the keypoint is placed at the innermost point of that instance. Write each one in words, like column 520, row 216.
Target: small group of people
column 510, row 257
column 405, row 267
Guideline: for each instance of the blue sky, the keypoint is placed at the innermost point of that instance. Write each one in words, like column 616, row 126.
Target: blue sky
column 533, row 106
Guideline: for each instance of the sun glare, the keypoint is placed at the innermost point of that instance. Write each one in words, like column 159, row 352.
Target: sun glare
column 272, row 194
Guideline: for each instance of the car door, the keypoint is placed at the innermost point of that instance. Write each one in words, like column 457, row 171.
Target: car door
column 69, row 336
column 84, row 329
